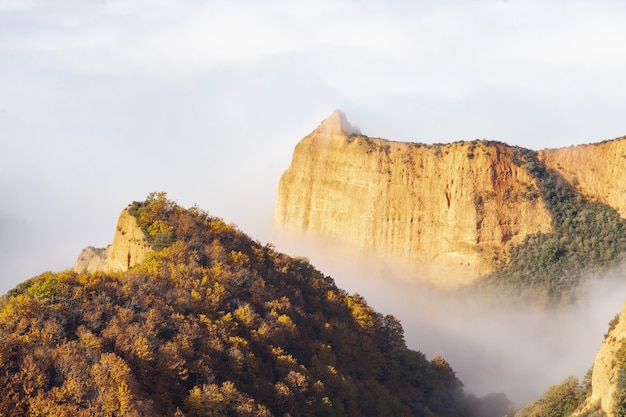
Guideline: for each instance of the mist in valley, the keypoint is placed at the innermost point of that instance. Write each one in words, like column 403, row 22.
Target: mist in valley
column 492, row 344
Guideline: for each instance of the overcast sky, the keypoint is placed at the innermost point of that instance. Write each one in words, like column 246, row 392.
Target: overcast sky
column 103, row 102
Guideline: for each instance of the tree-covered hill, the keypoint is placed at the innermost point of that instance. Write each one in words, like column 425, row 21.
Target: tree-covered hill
column 212, row 323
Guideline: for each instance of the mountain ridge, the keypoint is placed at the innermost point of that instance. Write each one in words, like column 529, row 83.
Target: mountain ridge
column 447, row 214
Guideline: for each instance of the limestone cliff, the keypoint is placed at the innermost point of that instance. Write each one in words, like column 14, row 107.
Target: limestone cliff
column 606, row 367
column 129, row 248
column 444, row 213
column 596, row 170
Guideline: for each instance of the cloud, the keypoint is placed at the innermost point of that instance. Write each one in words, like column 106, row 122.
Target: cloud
column 451, row 49
column 494, row 345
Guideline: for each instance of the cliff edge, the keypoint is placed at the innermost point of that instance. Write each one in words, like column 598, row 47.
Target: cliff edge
column 128, row 249
column 444, row 214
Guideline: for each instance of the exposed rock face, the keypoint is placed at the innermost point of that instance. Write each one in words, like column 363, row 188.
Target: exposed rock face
column 607, row 365
column 444, row 213
column 129, row 248
column 597, row 170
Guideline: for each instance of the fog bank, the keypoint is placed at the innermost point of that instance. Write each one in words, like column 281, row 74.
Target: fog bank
column 492, row 345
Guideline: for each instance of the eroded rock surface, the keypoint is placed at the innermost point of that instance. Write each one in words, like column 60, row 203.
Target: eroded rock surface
column 444, row 214
column 129, row 248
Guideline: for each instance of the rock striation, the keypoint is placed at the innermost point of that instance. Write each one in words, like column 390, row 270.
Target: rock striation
column 443, row 214
column 128, row 249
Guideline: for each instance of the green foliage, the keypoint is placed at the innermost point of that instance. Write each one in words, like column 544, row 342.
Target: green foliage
column 45, row 287
column 587, row 238
column 212, row 323
column 559, row 401
column 612, row 324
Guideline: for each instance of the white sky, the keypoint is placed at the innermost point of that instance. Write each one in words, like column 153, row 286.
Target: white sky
column 102, row 102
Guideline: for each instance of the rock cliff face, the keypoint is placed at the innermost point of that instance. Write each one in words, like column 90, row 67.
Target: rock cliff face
column 129, row 248
column 606, row 368
column 596, row 171
column 443, row 213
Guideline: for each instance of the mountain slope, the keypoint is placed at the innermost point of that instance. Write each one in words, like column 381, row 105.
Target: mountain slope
column 211, row 323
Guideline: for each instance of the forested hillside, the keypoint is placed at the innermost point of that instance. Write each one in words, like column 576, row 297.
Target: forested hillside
column 588, row 238
column 212, row 323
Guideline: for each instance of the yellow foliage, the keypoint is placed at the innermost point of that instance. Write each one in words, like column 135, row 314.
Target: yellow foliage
column 216, row 293
column 112, row 375
column 239, row 259
column 218, row 225
column 196, row 296
column 285, row 320
column 332, row 296
column 143, row 350
column 216, row 270
column 159, row 227
column 246, row 315
column 238, row 341
column 362, row 313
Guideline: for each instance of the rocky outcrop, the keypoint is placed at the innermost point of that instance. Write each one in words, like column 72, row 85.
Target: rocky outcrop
column 606, row 367
column 443, row 213
column 129, row 248
column 596, row 170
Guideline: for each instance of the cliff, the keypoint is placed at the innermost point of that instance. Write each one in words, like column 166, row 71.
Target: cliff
column 129, row 248
column 605, row 372
column 443, row 213
column 596, row 170
column 607, row 365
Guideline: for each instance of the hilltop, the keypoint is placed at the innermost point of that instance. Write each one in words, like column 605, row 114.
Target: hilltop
column 210, row 323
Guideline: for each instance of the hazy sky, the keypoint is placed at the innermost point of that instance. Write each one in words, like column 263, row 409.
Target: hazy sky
column 102, row 102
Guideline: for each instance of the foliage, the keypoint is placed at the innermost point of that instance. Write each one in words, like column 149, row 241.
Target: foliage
column 619, row 398
column 559, row 401
column 211, row 323
column 587, row 238
column 612, row 323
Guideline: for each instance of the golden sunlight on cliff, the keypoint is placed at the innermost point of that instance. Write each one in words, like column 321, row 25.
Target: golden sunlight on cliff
column 129, row 248
column 446, row 214
column 596, row 170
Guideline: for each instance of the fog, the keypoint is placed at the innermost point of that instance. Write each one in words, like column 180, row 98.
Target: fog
column 493, row 345
column 104, row 103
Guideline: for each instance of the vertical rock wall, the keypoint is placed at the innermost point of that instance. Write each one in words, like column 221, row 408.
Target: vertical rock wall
column 441, row 213
column 607, row 365
column 129, row 248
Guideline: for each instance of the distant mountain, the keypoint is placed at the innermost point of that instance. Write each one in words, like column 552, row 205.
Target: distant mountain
column 461, row 213
column 184, row 315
